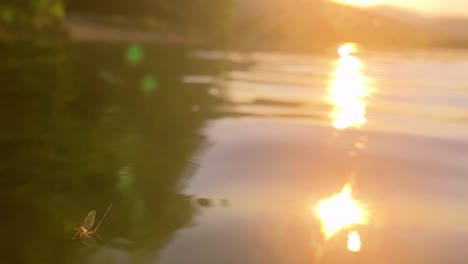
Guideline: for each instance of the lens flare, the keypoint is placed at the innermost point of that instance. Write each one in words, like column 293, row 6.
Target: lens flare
column 340, row 211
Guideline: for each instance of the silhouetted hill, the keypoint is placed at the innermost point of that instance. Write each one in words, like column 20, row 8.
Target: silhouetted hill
column 456, row 26
column 299, row 24
column 404, row 15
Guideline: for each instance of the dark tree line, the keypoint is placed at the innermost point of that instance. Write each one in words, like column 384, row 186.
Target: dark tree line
column 200, row 18
column 204, row 17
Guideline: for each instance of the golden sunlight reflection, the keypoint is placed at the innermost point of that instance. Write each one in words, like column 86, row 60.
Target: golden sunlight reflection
column 340, row 211
column 354, row 241
column 347, row 90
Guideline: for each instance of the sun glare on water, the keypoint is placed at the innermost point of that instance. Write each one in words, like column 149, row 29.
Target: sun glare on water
column 354, row 241
column 341, row 211
column 348, row 90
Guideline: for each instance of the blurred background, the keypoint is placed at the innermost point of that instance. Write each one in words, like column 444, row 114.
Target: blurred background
column 234, row 131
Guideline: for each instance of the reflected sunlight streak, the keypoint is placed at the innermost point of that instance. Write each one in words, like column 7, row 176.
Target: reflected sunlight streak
column 348, row 91
column 354, row 241
column 340, row 211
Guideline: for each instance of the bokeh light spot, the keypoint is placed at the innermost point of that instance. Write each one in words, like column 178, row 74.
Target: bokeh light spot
column 134, row 54
column 148, row 84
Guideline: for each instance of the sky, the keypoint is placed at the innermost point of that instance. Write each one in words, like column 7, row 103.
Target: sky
column 457, row 8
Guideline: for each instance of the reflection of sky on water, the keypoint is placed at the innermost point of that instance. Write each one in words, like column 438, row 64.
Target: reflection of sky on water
column 275, row 159
column 405, row 90
column 270, row 171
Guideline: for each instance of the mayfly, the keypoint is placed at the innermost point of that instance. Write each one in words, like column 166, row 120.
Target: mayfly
column 85, row 229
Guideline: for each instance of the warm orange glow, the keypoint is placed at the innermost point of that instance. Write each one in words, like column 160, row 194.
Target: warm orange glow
column 354, row 241
column 340, row 211
column 347, row 91
column 358, row 2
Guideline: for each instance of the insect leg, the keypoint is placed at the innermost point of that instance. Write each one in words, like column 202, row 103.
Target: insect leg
column 77, row 232
column 84, row 242
column 99, row 237
column 88, row 244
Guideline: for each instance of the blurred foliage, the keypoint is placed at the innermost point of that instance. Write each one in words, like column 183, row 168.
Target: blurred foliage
column 24, row 17
column 198, row 19
column 36, row 13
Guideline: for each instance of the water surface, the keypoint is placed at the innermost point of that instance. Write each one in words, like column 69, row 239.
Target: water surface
column 214, row 157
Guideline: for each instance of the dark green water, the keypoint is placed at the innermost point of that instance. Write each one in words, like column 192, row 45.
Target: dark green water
column 84, row 126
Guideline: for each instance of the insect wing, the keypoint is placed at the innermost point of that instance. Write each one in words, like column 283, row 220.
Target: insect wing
column 89, row 220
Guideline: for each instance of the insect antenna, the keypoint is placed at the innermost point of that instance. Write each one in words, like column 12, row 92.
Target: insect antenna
column 103, row 217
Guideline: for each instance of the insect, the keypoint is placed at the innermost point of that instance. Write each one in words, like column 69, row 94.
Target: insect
column 85, row 229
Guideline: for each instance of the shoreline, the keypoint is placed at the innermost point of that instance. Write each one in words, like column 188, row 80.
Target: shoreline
column 89, row 28
column 83, row 30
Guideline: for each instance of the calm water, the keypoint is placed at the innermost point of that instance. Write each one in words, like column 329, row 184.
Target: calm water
column 212, row 157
